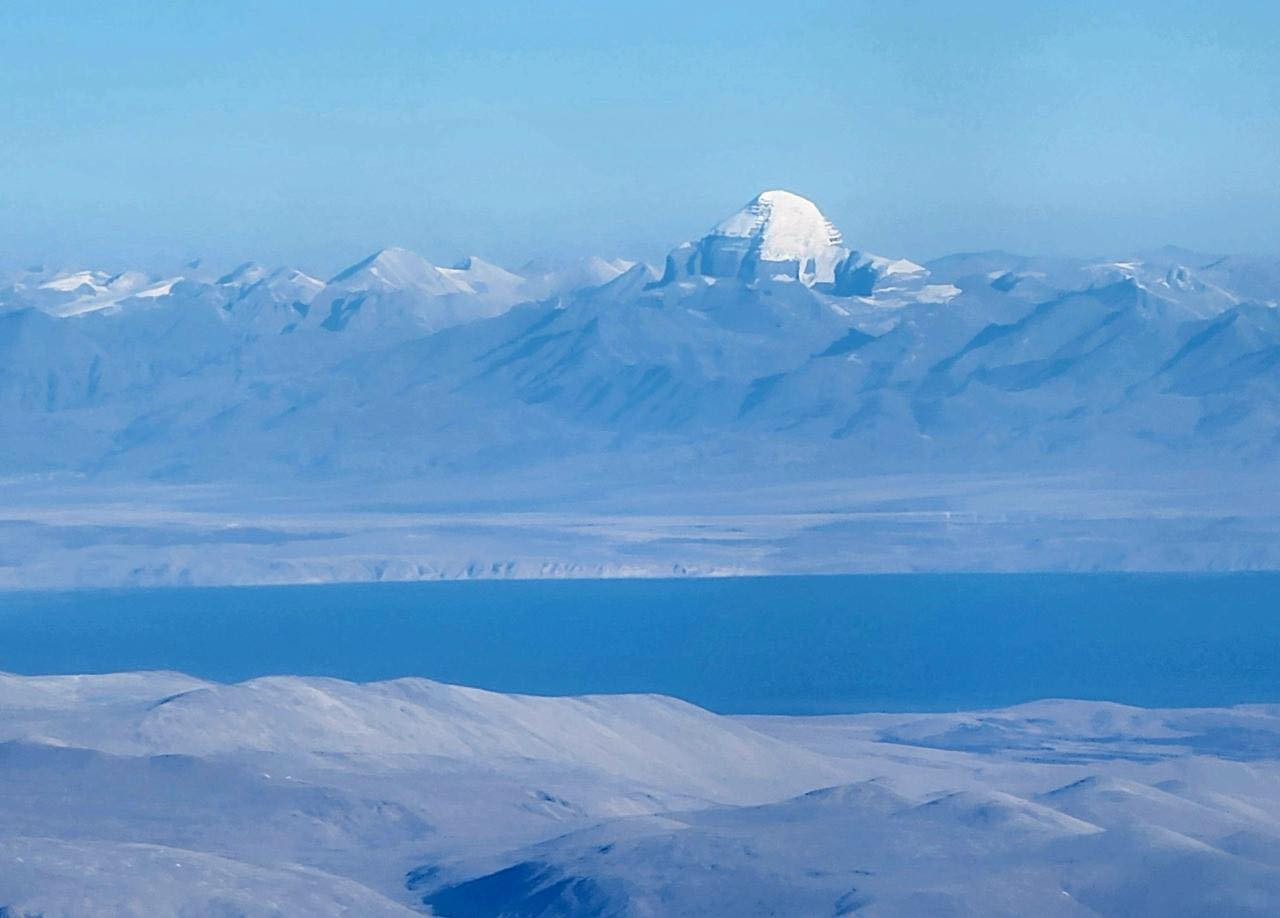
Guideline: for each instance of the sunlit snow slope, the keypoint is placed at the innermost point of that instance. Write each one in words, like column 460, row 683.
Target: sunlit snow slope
column 156, row 793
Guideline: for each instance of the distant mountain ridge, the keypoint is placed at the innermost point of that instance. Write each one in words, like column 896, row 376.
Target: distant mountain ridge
column 768, row 343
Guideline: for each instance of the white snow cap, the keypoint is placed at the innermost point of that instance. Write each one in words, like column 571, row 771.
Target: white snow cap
column 778, row 235
column 787, row 226
column 395, row 268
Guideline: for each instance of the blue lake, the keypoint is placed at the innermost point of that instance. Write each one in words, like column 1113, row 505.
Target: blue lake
column 771, row 644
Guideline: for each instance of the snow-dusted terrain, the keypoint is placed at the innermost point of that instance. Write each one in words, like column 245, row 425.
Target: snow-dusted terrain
column 157, row 793
column 812, row 406
column 54, row 535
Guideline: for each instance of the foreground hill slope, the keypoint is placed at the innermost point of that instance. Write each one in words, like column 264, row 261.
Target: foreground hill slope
column 162, row 793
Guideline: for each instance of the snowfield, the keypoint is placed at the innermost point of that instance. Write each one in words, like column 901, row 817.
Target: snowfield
column 161, row 794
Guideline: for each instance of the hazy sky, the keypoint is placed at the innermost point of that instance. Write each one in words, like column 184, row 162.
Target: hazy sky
column 314, row 133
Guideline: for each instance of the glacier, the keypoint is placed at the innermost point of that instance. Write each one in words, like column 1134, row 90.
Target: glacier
column 819, row 407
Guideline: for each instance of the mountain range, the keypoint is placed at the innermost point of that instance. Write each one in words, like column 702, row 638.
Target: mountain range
column 767, row 344
column 767, row 400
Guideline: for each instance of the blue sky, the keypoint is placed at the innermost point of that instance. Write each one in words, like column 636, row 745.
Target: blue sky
column 313, row 133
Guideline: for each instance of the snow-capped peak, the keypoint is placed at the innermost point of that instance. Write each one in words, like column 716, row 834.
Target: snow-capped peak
column 80, row 292
column 486, row 279
column 395, row 268
column 474, row 270
column 777, row 236
column 394, row 286
column 780, row 237
column 69, row 283
column 294, row 279
column 782, row 226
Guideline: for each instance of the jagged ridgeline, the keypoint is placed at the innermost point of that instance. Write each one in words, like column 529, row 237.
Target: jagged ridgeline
column 767, row 344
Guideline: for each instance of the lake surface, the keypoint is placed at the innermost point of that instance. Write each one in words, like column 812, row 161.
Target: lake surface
column 771, row 644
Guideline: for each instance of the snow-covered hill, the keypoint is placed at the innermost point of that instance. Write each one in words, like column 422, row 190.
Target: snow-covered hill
column 157, row 793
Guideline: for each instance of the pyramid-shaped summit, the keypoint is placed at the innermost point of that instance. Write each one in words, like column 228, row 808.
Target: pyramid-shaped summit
column 777, row 235
column 783, row 224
